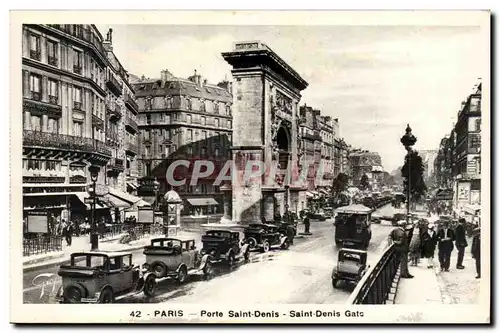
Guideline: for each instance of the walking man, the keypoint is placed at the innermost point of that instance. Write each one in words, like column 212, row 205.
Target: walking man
column 445, row 238
column 460, row 242
column 476, row 250
column 69, row 233
column 399, row 237
column 307, row 224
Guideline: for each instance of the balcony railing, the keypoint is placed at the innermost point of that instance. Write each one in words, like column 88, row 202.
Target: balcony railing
column 117, row 164
column 131, row 123
column 131, row 148
column 77, row 179
column 130, row 101
column 97, row 122
column 113, row 84
column 64, row 142
column 42, row 179
column 114, row 111
column 34, row 54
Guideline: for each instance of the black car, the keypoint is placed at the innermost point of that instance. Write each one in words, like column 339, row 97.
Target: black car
column 224, row 246
column 351, row 266
column 317, row 216
column 264, row 236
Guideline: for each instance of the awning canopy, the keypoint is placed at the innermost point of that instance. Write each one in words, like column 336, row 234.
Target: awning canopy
column 472, row 209
column 149, row 200
column 354, row 209
column 116, row 202
column 83, row 195
column 202, row 202
column 132, row 185
column 131, row 199
column 142, row 203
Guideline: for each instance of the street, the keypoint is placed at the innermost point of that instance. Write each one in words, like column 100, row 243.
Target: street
column 298, row 275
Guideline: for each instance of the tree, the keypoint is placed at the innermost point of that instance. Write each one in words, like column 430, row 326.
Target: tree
column 340, row 184
column 364, row 182
column 416, row 173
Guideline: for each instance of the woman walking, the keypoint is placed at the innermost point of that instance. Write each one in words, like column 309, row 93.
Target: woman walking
column 429, row 241
column 415, row 247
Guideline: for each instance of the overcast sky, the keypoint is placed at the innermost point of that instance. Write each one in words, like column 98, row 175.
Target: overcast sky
column 374, row 79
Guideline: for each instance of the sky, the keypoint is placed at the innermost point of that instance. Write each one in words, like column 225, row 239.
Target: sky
column 375, row 79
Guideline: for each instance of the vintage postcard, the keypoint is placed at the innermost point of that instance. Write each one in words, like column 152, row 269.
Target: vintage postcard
column 250, row 167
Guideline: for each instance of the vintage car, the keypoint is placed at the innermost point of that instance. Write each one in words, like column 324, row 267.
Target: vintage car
column 398, row 217
column 353, row 226
column 169, row 258
column 224, row 246
column 351, row 266
column 102, row 277
column 283, row 228
column 320, row 216
column 264, row 236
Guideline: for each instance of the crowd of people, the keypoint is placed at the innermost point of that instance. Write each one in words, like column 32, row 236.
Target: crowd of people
column 414, row 242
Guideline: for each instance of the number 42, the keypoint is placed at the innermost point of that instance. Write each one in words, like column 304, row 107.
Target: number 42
column 136, row 314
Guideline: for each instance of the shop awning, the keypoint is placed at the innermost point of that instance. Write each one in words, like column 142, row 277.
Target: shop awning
column 142, row 203
column 82, row 195
column 131, row 199
column 202, row 202
column 149, row 200
column 132, row 185
column 472, row 209
column 117, row 203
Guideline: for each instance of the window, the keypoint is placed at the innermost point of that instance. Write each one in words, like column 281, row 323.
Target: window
column 148, row 169
column 190, row 151
column 77, row 62
column 203, row 120
column 36, row 87
column 189, row 119
column 216, row 122
column 228, row 110
column 229, row 124
column 216, row 107
column 36, row 123
column 190, row 135
column 168, row 103
column 148, row 118
column 77, row 98
column 52, row 53
column 167, row 118
column 203, row 152
column 204, row 135
column 53, row 126
column 217, row 137
column 51, row 165
column 35, row 47
column 167, row 151
column 147, row 150
column 77, row 129
column 230, row 138
column 189, row 105
column 216, row 152
column 202, row 106
column 147, row 135
column 478, row 124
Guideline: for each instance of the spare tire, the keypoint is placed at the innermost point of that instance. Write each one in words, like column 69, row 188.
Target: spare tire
column 74, row 293
column 159, row 269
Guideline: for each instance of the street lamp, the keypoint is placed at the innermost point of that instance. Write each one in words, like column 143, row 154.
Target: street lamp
column 94, row 237
column 156, row 187
column 408, row 140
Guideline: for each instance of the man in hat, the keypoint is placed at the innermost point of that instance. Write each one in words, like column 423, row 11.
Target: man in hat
column 460, row 242
column 399, row 237
column 476, row 250
column 445, row 237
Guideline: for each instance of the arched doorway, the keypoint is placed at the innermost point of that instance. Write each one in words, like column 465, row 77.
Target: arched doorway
column 283, row 143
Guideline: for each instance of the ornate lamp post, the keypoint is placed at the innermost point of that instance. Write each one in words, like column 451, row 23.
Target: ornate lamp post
column 408, row 140
column 94, row 237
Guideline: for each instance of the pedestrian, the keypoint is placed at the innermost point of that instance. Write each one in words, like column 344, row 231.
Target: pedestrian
column 460, row 242
column 399, row 238
column 429, row 241
column 64, row 230
column 307, row 224
column 69, row 233
column 476, row 250
column 415, row 248
column 290, row 233
column 445, row 238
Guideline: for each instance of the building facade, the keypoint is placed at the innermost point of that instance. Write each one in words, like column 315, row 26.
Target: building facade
column 443, row 164
column 467, row 153
column 428, row 159
column 70, row 121
column 363, row 162
column 184, row 119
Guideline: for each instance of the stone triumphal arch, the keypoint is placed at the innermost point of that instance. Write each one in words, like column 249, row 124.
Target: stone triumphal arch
column 266, row 95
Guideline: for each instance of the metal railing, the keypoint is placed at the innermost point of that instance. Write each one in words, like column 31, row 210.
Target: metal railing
column 376, row 284
column 42, row 244
column 61, row 141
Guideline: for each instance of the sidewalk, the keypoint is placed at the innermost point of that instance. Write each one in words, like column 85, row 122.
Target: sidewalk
column 82, row 244
column 431, row 286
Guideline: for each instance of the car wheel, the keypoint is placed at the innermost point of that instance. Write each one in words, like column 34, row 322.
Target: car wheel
column 106, row 296
column 73, row 294
column 231, row 260
column 252, row 242
column 150, row 286
column 335, row 283
column 159, row 269
column 285, row 245
column 182, row 275
column 265, row 246
column 208, row 271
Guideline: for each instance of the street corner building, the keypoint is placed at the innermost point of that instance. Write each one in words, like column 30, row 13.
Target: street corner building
column 79, row 110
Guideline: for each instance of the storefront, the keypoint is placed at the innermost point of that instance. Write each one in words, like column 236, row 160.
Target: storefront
column 200, row 207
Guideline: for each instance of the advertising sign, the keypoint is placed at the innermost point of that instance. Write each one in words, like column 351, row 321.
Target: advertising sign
column 145, row 215
column 38, row 222
column 464, row 192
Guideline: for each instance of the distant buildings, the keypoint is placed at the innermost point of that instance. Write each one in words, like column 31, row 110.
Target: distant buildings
column 458, row 163
column 363, row 162
column 428, row 158
column 189, row 119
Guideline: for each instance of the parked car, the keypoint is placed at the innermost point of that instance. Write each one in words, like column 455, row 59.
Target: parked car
column 264, row 236
column 377, row 218
column 351, row 266
column 174, row 258
column 224, row 246
column 398, row 217
column 318, row 216
column 102, row 277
